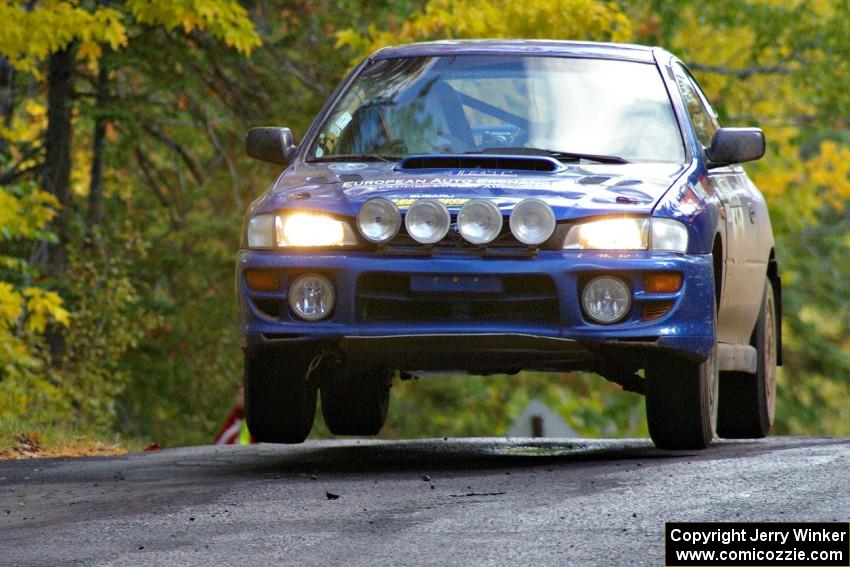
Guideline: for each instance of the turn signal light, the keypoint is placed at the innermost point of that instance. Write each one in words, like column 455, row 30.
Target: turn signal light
column 662, row 282
column 263, row 280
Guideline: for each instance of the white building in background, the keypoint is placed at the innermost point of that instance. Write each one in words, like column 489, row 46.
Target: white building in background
column 537, row 420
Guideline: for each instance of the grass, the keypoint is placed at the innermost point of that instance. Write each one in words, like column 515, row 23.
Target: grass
column 20, row 439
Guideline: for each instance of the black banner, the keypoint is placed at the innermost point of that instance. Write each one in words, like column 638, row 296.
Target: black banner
column 762, row 544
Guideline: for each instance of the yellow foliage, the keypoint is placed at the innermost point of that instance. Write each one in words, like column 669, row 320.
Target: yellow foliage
column 454, row 19
column 830, row 172
column 27, row 36
column 42, row 307
column 24, row 216
column 11, row 304
column 225, row 19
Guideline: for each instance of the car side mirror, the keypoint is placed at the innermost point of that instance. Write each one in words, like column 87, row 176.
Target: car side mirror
column 270, row 144
column 735, row 145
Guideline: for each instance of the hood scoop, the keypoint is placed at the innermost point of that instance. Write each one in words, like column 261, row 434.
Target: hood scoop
column 486, row 162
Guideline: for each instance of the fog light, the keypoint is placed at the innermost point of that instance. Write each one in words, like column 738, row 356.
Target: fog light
column 311, row 297
column 606, row 299
column 427, row 221
column 479, row 221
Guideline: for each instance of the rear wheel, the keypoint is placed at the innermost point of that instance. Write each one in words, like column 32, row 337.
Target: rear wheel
column 280, row 400
column 748, row 401
column 681, row 402
column 355, row 400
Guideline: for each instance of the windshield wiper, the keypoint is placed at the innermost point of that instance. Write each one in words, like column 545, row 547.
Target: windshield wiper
column 572, row 156
column 357, row 157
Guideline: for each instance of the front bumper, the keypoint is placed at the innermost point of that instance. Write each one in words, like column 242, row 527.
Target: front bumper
column 477, row 331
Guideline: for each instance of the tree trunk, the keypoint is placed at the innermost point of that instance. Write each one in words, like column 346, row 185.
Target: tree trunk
column 57, row 173
column 57, row 165
column 95, row 212
column 7, row 97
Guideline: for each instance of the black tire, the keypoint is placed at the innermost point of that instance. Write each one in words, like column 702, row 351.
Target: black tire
column 681, row 402
column 355, row 401
column 748, row 401
column 280, row 403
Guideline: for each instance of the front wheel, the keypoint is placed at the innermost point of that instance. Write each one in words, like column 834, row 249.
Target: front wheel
column 681, row 402
column 280, row 394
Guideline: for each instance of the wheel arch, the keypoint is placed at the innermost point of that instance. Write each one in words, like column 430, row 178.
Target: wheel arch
column 776, row 283
column 719, row 262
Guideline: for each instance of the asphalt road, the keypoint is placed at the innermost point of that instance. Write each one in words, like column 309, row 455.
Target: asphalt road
column 430, row 502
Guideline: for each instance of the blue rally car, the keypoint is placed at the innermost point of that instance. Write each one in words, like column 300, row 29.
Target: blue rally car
column 497, row 206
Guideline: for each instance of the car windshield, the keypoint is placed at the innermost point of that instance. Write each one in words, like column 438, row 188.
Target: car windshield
column 495, row 104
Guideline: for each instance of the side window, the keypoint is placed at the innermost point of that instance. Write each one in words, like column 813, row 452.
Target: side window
column 702, row 118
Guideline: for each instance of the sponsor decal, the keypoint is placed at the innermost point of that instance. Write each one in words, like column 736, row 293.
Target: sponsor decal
column 447, row 201
column 470, row 182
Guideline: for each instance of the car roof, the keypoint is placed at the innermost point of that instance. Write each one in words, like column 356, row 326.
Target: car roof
column 528, row 47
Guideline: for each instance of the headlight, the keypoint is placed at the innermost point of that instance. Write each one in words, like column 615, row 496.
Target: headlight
column 608, row 234
column 532, row 221
column 379, row 220
column 479, row 221
column 666, row 235
column 261, row 231
column 670, row 235
column 299, row 229
column 427, row 221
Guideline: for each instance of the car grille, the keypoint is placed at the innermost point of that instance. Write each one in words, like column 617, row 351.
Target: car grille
column 505, row 245
column 522, row 299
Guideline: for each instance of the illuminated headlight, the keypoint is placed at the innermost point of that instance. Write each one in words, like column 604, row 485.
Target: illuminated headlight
column 606, row 299
column 666, row 235
column 427, row 221
column 298, row 229
column 479, row 221
column 379, row 220
column 532, row 221
column 609, row 234
column 311, row 297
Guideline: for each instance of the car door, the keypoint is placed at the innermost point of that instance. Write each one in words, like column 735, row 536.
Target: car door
column 742, row 212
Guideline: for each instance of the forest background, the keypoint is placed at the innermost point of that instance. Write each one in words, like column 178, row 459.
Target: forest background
column 123, row 184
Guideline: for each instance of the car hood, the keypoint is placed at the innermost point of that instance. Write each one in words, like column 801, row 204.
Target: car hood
column 573, row 192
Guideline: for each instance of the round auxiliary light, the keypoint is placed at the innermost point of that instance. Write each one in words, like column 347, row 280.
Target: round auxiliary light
column 606, row 299
column 532, row 221
column 479, row 221
column 427, row 221
column 311, row 297
column 379, row 220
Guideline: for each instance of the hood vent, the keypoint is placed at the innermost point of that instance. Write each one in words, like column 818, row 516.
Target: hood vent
column 349, row 177
column 593, row 180
column 625, row 182
column 481, row 161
